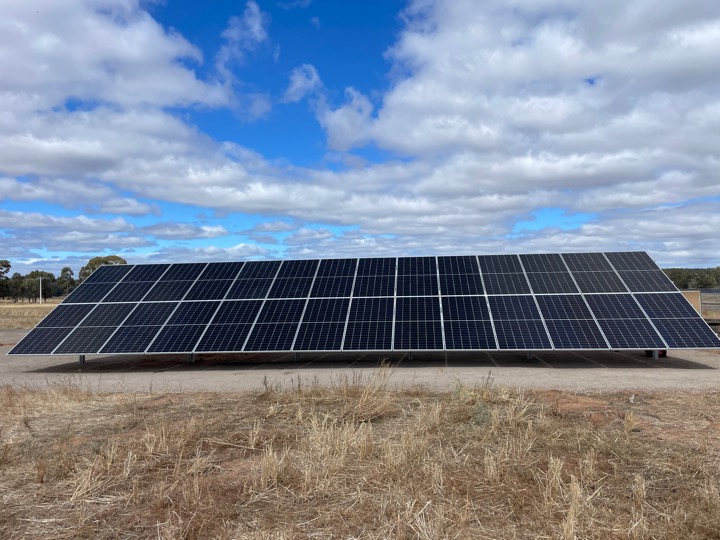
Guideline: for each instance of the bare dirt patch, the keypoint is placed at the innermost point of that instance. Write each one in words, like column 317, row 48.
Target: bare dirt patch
column 358, row 458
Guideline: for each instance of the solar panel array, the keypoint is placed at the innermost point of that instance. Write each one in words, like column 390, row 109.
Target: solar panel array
column 575, row 301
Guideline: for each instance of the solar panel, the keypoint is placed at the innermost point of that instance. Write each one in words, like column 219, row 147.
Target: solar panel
column 587, row 262
column 227, row 270
column 168, row 290
column 131, row 339
column 108, row 315
column 87, row 339
column 599, row 282
column 486, row 302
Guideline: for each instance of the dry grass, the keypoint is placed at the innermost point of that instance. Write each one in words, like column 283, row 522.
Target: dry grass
column 358, row 459
column 23, row 315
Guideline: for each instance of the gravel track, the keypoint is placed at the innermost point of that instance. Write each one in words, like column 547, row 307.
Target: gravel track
column 584, row 371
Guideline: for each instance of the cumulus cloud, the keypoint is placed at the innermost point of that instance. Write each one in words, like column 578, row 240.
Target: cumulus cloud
column 183, row 231
column 304, row 80
column 491, row 112
column 242, row 34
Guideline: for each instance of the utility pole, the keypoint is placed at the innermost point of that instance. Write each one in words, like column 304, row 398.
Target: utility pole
column 40, row 278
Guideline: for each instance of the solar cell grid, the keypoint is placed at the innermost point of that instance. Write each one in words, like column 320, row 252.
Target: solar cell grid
column 337, row 267
column 417, row 285
column 290, row 288
column 108, row 315
column 40, row 341
column 249, row 289
column 587, row 262
column 168, row 290
column 469, row 335
column 209, row 289
column 563, row 307
column 226, row 270
column 66, row 315
column 417, row 309
column 319, row 337
column 149, row 314
column 177, row 338
column 548, row 262
column 647, row 281
column 614, row 306
column 510, row 283
column 146, row 272
column 681, row 333
column 374, row 286
column 551, row 282
column 237, row 312
column 513, row 308
column 259, row 270
column 599, row 282
column 575, row 334
column 194, row 313
column 108, row 273
column 458, row 265
column 499, row 264
column 368, row 336
column 276, row 311
column 130, row 339
column 84, row 340
column 184, row 272
column 632, row 260
column 408, row 266
column 371, row 309
column 631, row 334
column 326, row 310
column 666, row 306
column 418, row 335
column 460, row 284
column 129, row 292
column 298, row 269
column 89, row 293
column 376, row 267
column 271, row 337
column 524, row 335
column 465, row 308
column 223, row 338
column 332, row 286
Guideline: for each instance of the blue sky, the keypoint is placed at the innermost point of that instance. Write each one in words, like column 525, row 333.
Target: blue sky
column 162, row 131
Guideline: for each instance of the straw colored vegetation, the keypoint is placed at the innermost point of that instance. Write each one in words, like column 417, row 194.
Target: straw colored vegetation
column 358, row 459
column 24, row 315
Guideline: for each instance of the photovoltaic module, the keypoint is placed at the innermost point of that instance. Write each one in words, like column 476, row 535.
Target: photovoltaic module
column 530, row 302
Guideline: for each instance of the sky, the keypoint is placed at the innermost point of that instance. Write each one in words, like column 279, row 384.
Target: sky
column 176, row 131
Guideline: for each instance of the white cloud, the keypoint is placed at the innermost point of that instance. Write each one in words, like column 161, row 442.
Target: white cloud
column 493, row 110
column 304, row 80
column 242, row 34
column 183, row 231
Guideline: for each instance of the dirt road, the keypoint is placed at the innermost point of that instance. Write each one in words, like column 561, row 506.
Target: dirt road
column 683, row 370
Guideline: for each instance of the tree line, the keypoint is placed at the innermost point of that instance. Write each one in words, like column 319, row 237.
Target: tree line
column 26, row 288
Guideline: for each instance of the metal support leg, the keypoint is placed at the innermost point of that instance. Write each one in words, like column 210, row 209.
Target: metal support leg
column 410, row 356
column 82, row 358
column 656, row 354
column 191, row 358
column 529, row 355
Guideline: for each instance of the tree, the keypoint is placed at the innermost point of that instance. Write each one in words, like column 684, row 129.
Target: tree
column 94, row 263
column 4, row 269
column 31, row 285
column 66, row 279
column 15, row 286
